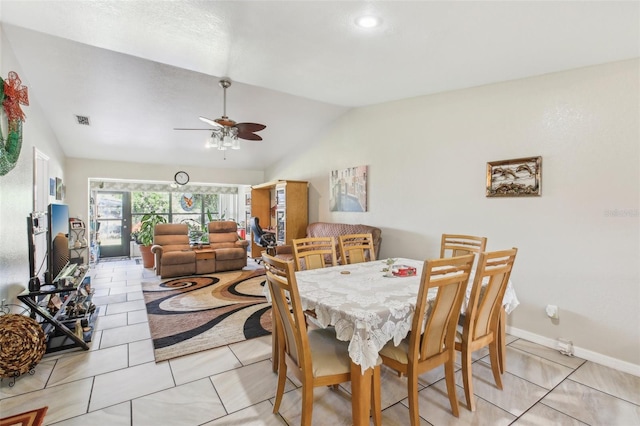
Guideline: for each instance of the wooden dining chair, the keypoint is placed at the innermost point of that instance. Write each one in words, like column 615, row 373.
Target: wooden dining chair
column 458, row 245
column 481, row 320
column 423, row 351
column 356, row 248
column 315, row 357
column 314, row 252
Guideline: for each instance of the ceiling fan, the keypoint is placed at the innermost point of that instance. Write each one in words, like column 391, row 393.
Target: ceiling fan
column 225, row 132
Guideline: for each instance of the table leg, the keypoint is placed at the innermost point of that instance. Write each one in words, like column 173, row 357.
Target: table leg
column 360, row 394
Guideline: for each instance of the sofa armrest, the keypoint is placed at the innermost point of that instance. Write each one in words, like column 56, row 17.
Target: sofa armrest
column 284, row 249
column 242, row 243
column 157, row 251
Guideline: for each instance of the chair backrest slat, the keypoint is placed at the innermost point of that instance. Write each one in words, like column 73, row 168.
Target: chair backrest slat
column 356, row 248
column 458, row 245
column 314, row 253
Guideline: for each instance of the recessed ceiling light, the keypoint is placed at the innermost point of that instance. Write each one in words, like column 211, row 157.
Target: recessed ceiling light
column 368, row 21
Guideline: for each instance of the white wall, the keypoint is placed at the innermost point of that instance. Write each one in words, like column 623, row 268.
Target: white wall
column 16, row 187
column 427, row 159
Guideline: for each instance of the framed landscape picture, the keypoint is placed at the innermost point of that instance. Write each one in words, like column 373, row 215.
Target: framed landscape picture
column 519, row 177
column 348, row 189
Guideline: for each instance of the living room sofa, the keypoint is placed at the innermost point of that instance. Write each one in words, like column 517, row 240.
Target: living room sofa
column 326, row 229
column 175, row 257
column 230, row 251
column 172, row 252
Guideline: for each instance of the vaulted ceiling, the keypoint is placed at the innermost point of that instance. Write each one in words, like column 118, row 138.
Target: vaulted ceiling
column 138, row 69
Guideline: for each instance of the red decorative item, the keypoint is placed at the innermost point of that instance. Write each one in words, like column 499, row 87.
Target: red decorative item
column 403, row 271
column 15, row 94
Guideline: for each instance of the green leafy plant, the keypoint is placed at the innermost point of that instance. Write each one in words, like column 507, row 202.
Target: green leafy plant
column 197, row 232
column 147, row 225
column 389, row 262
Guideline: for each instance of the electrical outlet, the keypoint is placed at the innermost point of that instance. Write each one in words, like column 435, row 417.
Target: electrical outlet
column 552, row 311
column 565, row 346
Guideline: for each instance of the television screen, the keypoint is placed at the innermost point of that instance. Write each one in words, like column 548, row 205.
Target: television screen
column 58, row 256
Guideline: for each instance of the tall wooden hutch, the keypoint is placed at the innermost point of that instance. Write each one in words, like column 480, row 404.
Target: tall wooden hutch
column 290, row 201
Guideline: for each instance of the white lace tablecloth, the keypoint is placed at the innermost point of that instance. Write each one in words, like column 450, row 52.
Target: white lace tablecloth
column 366, row 308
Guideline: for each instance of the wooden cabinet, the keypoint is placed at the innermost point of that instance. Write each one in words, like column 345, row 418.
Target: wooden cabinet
column 289, row 201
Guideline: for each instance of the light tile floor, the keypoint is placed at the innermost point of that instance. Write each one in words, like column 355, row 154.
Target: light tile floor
column 117, row 381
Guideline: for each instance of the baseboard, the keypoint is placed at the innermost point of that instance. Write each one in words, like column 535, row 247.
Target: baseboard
column 596, row 357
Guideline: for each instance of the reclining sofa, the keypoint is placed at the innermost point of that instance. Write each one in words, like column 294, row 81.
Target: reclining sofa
column 175, row 257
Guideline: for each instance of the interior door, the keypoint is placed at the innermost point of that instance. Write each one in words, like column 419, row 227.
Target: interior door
column 113, row 211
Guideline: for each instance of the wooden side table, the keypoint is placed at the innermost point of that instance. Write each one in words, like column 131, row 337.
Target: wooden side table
column 205, row 260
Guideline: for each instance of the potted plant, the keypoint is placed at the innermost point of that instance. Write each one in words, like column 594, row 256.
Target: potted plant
column 144, row 237
column 197, row 232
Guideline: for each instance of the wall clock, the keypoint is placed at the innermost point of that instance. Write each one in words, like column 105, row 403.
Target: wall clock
column 181, row 178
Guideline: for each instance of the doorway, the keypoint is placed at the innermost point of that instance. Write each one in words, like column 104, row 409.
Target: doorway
column 113, row 211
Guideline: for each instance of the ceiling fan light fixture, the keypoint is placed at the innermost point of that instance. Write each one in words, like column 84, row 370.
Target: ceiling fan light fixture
column 226, row 132
column 223, row 138
column 211, row 142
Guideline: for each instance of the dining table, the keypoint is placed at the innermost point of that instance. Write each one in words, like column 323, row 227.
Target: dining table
column 369, row 307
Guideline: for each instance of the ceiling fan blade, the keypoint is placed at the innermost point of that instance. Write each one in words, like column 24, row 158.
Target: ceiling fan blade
column 180, row 128
column 249, row 136
column 250, row 127
column 211, row 122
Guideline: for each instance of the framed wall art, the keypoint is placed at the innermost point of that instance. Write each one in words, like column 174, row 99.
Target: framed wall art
column 520, row 177
column 348, row 189
column 58, row 189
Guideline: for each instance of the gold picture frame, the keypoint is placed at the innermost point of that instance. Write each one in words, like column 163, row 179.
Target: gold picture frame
column 520, row 177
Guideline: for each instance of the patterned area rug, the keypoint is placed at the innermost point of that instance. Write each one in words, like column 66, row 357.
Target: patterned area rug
column 196, row 313
column 30, row 418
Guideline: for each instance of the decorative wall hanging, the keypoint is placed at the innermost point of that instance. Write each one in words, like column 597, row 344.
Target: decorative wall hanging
column 187, row 202
column 12, row 95
column 58, row 188
column 520, row 177
column 348, row 190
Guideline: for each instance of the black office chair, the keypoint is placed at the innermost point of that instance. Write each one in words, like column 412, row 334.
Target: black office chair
column 261, row 238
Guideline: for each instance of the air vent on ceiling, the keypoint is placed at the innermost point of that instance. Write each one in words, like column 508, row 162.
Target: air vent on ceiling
column 82, row 119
